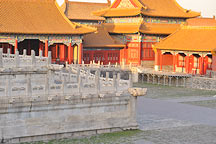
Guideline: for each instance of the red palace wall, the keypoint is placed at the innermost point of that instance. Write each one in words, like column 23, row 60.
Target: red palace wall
column 137, row 52
column 214, row 63
column 193, row 64
column 134, row 53
column 167, row 59
column 105, row 56
column 59, row 53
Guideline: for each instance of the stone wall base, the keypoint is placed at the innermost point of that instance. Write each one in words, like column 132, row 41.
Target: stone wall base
column 69, row 135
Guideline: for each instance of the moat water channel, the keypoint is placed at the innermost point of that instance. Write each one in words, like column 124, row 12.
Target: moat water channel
column 166, row 115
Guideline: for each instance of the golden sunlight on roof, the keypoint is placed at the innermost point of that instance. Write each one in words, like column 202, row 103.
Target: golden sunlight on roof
column 83, row 10
column 36, row 17
column 101, row 39
column 159, row 8
column 190, row 38
column 145, row 28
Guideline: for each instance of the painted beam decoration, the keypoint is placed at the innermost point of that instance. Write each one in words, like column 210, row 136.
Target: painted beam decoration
column 146, row 38
column 65, row 39
column 164, row 20
column 52, row 39
column 124, row 20
column 8, row 39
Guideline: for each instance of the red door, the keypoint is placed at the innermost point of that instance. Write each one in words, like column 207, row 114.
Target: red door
column 190, row 67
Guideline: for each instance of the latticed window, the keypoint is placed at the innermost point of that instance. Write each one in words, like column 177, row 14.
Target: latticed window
column 209, row 58
column 181, row 60
column 196, row 62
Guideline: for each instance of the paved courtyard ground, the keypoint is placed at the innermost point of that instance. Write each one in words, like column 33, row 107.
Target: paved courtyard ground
column 166, row 115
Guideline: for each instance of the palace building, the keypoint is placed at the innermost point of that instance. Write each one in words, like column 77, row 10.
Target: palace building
column 41, row 25
column 81, row 12
column 141, row 23
column 99, row 46
column 191, row 49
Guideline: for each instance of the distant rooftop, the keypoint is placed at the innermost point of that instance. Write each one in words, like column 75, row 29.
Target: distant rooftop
column 198, row 34
column 83, row 10
column 156, row 8
column 36, row 17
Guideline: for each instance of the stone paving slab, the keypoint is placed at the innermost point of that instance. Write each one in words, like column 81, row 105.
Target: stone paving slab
column 191, row 99
column 177, row 111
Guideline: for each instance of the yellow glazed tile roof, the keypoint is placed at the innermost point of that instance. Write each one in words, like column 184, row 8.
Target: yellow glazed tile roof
column 83, row 10
column 101, row 39
column 157, row 8
column 190, row 38
column 146, row 28
column 36, row 17
column 201, row 22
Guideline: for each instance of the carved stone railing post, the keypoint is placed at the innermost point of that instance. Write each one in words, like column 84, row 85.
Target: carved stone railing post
column 177, row 81
column 164, row 80
column 118, row 80
column 33, row 59
column 40, row 53
column 114, row 82
column 130, row 80
column 29, row 86
column 17, row 58
column 97, row 81
column 148, row 78
column 80, row 84
column 78, row 74
column 159, row 80
column 109, row 65
column 184, row 82
column 170, row 81
column 1, row 57
column 107, row 76
column 49, row 60
column 8, row 86
column 142, row 77
column 48, row 77
column 64, row 85
column 8, row 52
column 88, row 75
column 153, row 79
column 24, row 52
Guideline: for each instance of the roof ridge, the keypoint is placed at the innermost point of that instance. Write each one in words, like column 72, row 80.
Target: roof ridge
column 64, row 16
column 199, row 27
column 73, row 24
column 155, row 45
column 87, row 2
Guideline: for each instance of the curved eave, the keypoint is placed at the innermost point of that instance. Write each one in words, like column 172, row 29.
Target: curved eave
column 49, row 33
column 91, row 19
column 195, row 14
column 164, row 29
column 104, row 46
column 117, row 12
column 182, row 49
column 121, row 12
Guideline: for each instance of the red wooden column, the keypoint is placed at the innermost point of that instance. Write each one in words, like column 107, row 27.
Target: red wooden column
column 62, row 52
column 205, row 59
column 161, row 61
column 213, row 62
column 174, row 62
column 16, row 45
column 46, row 48
column 69, row 53
column 157, row 61
column 187, row 62
column 201, row 65
column 80, row 53
column 139, row 52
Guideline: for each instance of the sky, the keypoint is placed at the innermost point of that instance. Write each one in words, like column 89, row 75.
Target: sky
column 206, row 7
